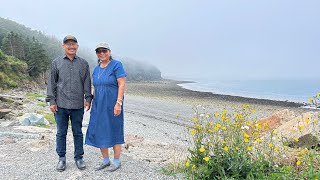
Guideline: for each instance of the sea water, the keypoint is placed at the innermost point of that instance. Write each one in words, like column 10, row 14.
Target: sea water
column 294, row 90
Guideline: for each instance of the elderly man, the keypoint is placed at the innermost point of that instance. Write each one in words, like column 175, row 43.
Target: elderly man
column 69, row 92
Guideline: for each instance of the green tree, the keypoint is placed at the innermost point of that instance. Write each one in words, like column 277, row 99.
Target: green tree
column 37, row 60
column 12, row 44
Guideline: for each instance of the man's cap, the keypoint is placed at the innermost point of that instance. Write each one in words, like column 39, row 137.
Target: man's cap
column 103, row 45
column 70, row 37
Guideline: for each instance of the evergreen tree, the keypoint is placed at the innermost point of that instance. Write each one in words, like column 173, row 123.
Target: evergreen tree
column 12, row 44
column 1, row 37
column 37, row 60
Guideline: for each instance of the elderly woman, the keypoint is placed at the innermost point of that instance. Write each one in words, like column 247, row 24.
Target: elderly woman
column 105, row 128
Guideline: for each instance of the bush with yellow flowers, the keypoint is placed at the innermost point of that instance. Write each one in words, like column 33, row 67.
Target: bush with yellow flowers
column 315, row 100
column 231, row 145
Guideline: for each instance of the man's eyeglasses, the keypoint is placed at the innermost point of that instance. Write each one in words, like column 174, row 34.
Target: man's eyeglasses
column 98, row 51
column 70, row 44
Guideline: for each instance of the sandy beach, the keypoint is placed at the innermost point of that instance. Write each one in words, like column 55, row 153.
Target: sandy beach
column 156, row 116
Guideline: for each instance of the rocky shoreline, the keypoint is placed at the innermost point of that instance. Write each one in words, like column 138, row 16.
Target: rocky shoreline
column 171, row 88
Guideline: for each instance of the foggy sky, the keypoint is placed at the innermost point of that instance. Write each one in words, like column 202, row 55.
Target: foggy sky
column 226, row 39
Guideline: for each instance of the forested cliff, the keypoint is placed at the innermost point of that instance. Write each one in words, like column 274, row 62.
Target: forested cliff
column 26, row 54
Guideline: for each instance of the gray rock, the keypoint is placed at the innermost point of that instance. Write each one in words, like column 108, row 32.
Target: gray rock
column 6, row 123
column 42, row 99
column 9, row 141
column 3, row 112
column 8, row 98
column 31, row 119
column 19, row 135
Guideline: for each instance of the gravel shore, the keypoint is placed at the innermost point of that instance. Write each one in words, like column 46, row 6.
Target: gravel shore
column 156, row 117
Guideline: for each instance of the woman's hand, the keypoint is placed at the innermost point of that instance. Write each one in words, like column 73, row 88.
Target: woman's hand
column 117, row 109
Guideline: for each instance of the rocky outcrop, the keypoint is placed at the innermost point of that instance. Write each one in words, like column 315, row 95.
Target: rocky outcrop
column 299, row 131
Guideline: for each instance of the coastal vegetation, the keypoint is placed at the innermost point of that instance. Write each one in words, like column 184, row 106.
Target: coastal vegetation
column 235, row 145
column 12, row 70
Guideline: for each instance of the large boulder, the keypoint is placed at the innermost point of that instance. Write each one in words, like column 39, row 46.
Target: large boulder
column 301, row 131
column 277, row 119
column 31, row 119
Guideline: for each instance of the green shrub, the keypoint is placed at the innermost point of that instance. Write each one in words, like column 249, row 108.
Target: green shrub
column 35, row 95
column 50, row 118
column 232, row 146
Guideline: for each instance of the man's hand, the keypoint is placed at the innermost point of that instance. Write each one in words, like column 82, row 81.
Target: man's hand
column 54, row 108
column 87, row 105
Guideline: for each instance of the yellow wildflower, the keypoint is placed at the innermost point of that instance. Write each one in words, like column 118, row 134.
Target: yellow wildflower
column 315, row 121
column 258, row 140
column 248, row 122
column 296, row 139
column 307, row 121
column 238, row 116
column 249, row 148
column 195, row 119
column 226, row 148
column 318, row 94
column 224, row 128
column 270, row 145
column 216, row 114
column 246, row 140
column 209, row 124
column 265, row 124
column 201, row 149
column 206, row 158
column 217, row 127
column 194, row 166
column 310, row 99
column 252, row 110
column 237, row 148
column 245, row 135
column 258, row 126
column 192, row 132
column 187, row 163
column 300, row 127
column 298, row 162
column 285, row 147
column 197, row 126
column 276, row 148
column 177, row 115
column 210, row 131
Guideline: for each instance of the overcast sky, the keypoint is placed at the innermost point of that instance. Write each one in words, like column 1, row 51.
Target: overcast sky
column 225, row 39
